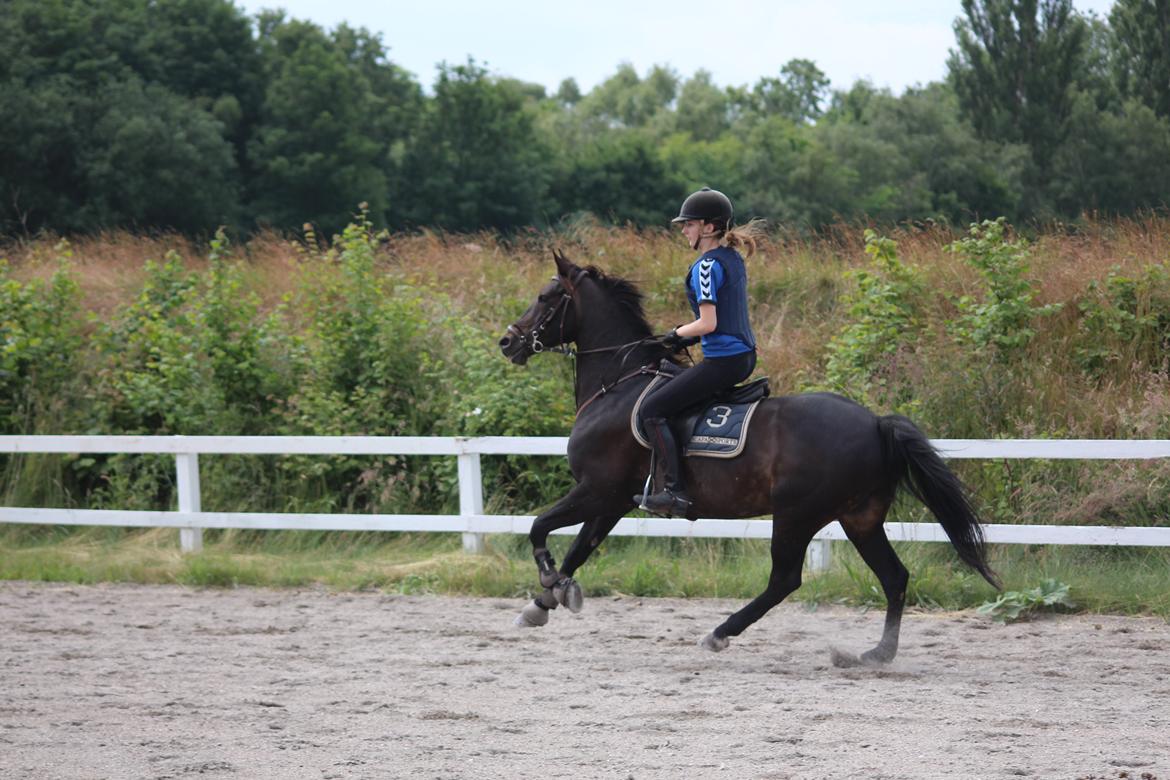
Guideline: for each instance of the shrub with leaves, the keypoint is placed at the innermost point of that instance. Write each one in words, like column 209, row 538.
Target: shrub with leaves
column 1003, row 317
column 1125, row 321
column 360, row 361
column 40, row 340
column 246, row 350
column 362, row 345
column 188, row 356
column 885, row 317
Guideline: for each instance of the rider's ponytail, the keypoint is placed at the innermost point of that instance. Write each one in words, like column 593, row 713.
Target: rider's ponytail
column 745, row 238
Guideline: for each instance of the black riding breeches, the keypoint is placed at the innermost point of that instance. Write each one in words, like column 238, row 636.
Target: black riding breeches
column 697, row 384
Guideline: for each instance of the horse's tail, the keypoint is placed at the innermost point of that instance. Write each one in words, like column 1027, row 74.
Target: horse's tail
column 915, row 465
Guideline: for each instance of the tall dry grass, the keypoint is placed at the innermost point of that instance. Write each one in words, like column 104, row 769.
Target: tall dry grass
column 797, row 283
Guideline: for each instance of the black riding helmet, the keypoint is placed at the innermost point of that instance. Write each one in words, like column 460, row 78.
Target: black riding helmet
column 708, row 205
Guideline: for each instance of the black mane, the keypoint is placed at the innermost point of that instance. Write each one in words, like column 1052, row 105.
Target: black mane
column 626, row 293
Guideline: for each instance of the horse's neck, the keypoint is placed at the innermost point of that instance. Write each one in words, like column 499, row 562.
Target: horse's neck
column 607, row 337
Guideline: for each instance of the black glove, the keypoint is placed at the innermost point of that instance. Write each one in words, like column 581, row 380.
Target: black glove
column 674, row 342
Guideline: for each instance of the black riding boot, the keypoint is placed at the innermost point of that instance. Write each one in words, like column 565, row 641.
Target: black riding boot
column 672, row 501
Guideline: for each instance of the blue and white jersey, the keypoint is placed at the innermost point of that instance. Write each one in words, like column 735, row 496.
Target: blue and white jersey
column 720, row 277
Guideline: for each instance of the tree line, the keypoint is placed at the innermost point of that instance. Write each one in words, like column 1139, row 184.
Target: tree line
column 190, row 114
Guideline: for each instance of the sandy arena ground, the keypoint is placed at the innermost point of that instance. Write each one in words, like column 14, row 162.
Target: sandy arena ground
column 168, row 682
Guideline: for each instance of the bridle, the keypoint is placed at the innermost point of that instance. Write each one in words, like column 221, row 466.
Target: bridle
column 532, row 340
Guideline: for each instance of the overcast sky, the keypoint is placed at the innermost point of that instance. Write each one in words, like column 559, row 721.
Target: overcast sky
column 894, row 44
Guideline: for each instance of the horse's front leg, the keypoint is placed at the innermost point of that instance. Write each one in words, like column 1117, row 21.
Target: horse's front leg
column 598, row 517
column 566, row 590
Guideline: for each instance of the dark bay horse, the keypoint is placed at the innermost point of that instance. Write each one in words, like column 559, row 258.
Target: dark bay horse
column 810, row 459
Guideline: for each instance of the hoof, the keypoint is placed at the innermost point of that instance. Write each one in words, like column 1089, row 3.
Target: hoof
column 569, row 594
column 713, row 643
column 878, row 656
column 843, row 659
column 531, row 616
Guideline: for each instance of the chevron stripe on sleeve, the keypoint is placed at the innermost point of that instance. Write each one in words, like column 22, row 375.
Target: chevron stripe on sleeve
column 708, row 279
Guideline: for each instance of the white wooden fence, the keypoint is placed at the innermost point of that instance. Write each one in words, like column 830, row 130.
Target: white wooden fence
column 474, row 524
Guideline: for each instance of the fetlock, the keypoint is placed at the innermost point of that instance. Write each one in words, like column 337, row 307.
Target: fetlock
column 546, row 565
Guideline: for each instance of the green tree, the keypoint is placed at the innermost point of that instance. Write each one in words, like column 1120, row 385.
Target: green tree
column 916, row 158
column 316, row 152
column 477, row 159
column 41, row 184
column 568, row 93
column 92, row 43
column 1015, row 67
column 1141, row 31
column 800, row 93
column 702, row 109
column 791, row 175
column 627, row 100
column 1114, row 162
column 206, row 50
column 722, row 164
column 155, row 159
column 110, row 113
column 618, row 176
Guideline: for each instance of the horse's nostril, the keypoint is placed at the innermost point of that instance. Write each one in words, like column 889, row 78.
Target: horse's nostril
column 505, row 342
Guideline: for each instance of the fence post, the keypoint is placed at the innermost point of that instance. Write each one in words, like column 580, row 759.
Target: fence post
column 471, row 498
column 819, row 555
column 187, row 469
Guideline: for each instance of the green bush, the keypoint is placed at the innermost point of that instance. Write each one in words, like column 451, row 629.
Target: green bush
column 1125, row 322
column 40, row 339
column 1003, row 319
column 491, row 397
column 885, row 321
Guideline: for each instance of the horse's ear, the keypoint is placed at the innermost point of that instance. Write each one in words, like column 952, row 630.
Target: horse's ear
column 565, row 267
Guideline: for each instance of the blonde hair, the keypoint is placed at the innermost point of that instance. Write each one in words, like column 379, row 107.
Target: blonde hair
column 745, row 238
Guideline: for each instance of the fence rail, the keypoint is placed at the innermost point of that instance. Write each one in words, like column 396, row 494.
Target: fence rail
column 473, row 524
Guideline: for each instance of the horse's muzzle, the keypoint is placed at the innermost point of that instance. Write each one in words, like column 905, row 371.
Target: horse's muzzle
column 514, row 348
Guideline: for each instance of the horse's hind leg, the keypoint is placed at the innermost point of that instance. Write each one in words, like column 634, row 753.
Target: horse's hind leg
column 790, row 539
column 869, row 537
